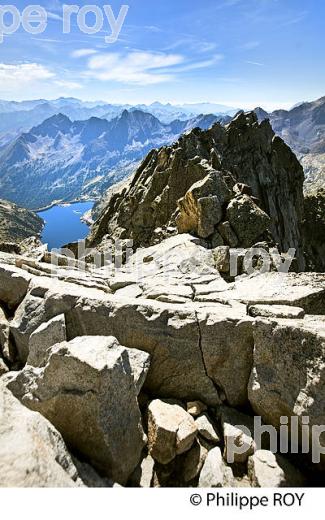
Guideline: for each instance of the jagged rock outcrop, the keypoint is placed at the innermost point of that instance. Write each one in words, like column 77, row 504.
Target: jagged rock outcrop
column 190, row 184
column 314, row 230
column 17, row 224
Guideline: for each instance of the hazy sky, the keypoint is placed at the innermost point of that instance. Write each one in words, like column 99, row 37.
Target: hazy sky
column 241, row 53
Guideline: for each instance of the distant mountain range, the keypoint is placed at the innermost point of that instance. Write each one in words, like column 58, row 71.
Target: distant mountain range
column 64, row 160
column 17, row 117
column 303, row 129
column 67, row 149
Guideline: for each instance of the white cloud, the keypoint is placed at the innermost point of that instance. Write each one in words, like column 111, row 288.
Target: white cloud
column 256, row 63
column 80, row 53
column 144, row 68
column 295, row 19
column 196, row 45
column 69, row 85
column 202, row 64
column 14, row 75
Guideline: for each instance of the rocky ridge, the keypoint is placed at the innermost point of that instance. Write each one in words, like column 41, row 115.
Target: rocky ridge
column 303, row 129
column 150, row 372
column 196, row 176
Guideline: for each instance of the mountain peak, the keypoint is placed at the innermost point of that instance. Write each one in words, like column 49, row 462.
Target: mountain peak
column 51, row 126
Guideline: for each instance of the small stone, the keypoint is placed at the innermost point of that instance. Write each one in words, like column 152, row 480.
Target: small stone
column 195, row 408
column 207, row 429
column 238, row 429
column 215, row 473
column 221, row 257
column 268, row 470
column 228, row 234
column 171, row 430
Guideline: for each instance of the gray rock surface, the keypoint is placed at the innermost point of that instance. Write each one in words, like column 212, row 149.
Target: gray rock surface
column 247, row 219
column 87, row 391
column 171, row 430
column 14, row 285
column 196, row 408
column 32, row 452
column 276, row 311
column 288, row 374
column 215, row 473
column 44, row 337
column 268, row 470
column 207, row 429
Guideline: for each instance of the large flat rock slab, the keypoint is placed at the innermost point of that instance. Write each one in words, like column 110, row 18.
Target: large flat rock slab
column 306, row 290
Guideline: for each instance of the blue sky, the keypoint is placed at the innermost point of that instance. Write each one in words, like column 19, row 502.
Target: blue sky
column 242, row 53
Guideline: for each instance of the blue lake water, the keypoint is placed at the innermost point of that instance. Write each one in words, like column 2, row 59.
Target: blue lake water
column 63, row 224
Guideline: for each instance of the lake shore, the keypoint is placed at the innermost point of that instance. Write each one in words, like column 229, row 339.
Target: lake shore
column 65, row 203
